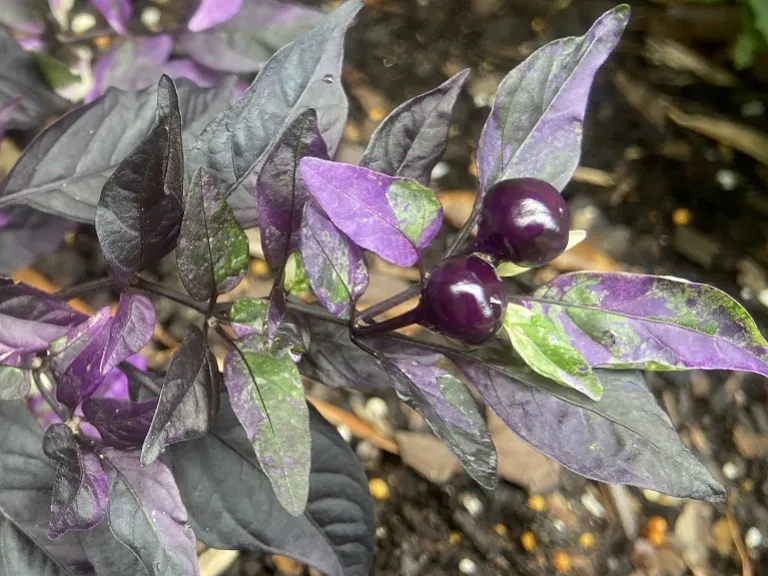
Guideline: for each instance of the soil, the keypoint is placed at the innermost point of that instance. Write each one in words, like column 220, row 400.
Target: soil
column 677, row 203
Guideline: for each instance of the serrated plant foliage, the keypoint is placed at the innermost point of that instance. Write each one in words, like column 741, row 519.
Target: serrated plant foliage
column 115, row 469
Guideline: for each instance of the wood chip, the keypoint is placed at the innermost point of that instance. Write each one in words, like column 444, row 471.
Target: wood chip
column 594, row 176
column 692, row 531
column 360, row 429
column 751, row 445
column 585, row 256
column 457, row 206
column 215, row 562
column 643, row 98
column 428, row 456
column 667, row 52
column 743, row 138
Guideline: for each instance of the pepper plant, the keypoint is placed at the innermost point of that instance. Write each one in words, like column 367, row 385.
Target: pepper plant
column 133, row 465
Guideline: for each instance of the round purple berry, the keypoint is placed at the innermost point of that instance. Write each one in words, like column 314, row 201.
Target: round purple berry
column 464, row 299
column 525, row 221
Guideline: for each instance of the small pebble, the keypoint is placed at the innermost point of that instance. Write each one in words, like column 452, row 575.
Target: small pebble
column 344, row 432
column 682, row 216
column 731, row 471
column 467, row 566
column 472, row 504
column 454, row 538
column 592, row 505
column 378, row 488
column 559, row 525
column 150, row 17
column 562, row 561
column 656, row 530
column 441, row 169
column 728, row 179
column 528, row 541
column 537, row 503
column 752, row 109
column 500, row 529
column 753, row 538
column 377, row 407
column 381, row 532
column 83, row 22
column 587, row 540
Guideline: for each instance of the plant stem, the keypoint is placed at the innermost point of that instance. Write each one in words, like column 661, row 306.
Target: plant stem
column 140, row 376
column 61, row 411
column 90, row 35
column 143, row 285
column 79, row 290
column 372, row 311
column 463, row 233
column 412, row 316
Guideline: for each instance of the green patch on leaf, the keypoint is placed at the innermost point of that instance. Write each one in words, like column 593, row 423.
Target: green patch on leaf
column 416, row 208
column 547, row 349
column 267, row 396
column 295, row 280
column 14, row 383
column 250, row 312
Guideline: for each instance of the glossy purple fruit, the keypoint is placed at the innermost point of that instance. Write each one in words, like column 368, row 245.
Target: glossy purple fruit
column 464, row 299
column 525, row 221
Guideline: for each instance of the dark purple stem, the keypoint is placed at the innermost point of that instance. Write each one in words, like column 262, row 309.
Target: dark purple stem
column 79, row 290
column 412, row 316
column 61, row 411
column 372, row 311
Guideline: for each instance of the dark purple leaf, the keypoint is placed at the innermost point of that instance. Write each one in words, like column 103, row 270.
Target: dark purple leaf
column 393, row 217
column 334, row 265
column 26, row 234
column 232, row 506
column 6, row 113
column 30, row 320
column 620, row 320
column 108, row 555
column 213, row 12
column 185, row 409
column 243, row 44
column 304, row 74
column 116, row 12
column 169, row 115
column 275, row 310
column 136, row 221
column 626, row 438
column 446, row 404
column 65, row 167
column 20, row 79
column 81, row 489
column 132, row 327
column 131, row 64
column 335, row 361
column 212, row 255
column 147, row 516
column 534, row 129
column 280, row 193
column 122, row 423
column 268, row 398
column 412, row 139
column 26, row 481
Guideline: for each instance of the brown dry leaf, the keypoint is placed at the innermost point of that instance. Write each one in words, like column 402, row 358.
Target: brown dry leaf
column 738, row 136
column 751, row 445
column 667, row 52
column 692, row 531
column 584, row 256
column 215, row 562
column 428, row 456
column 457, row 206
column 643, row 98
column 518, row 462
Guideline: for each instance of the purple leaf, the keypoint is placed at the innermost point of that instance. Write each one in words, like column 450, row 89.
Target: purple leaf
column 63, row 170
column 122, row 423
column 66, row 349
column 621, row 320
column 147, row 516
column 212, row 253
column 412, row 139
column 275, row 310
column 131, row 64
column 185, row 409
column 21, row 81
column 26, row 479
column 334, row 265
column 26, row 234
column 548, row 351
column 393, row 217
column 268, row 398
column 136, row 221
column 280, row 193
column 535, row 125
column 243, row 44
column 304, row 74
column 132, row 328
column 626, row 438
column 116, row 12
column 239, row 510
column 81, row 489
column 199, row 74
column 446, row 404
column 30, row 320
column 213, row 12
